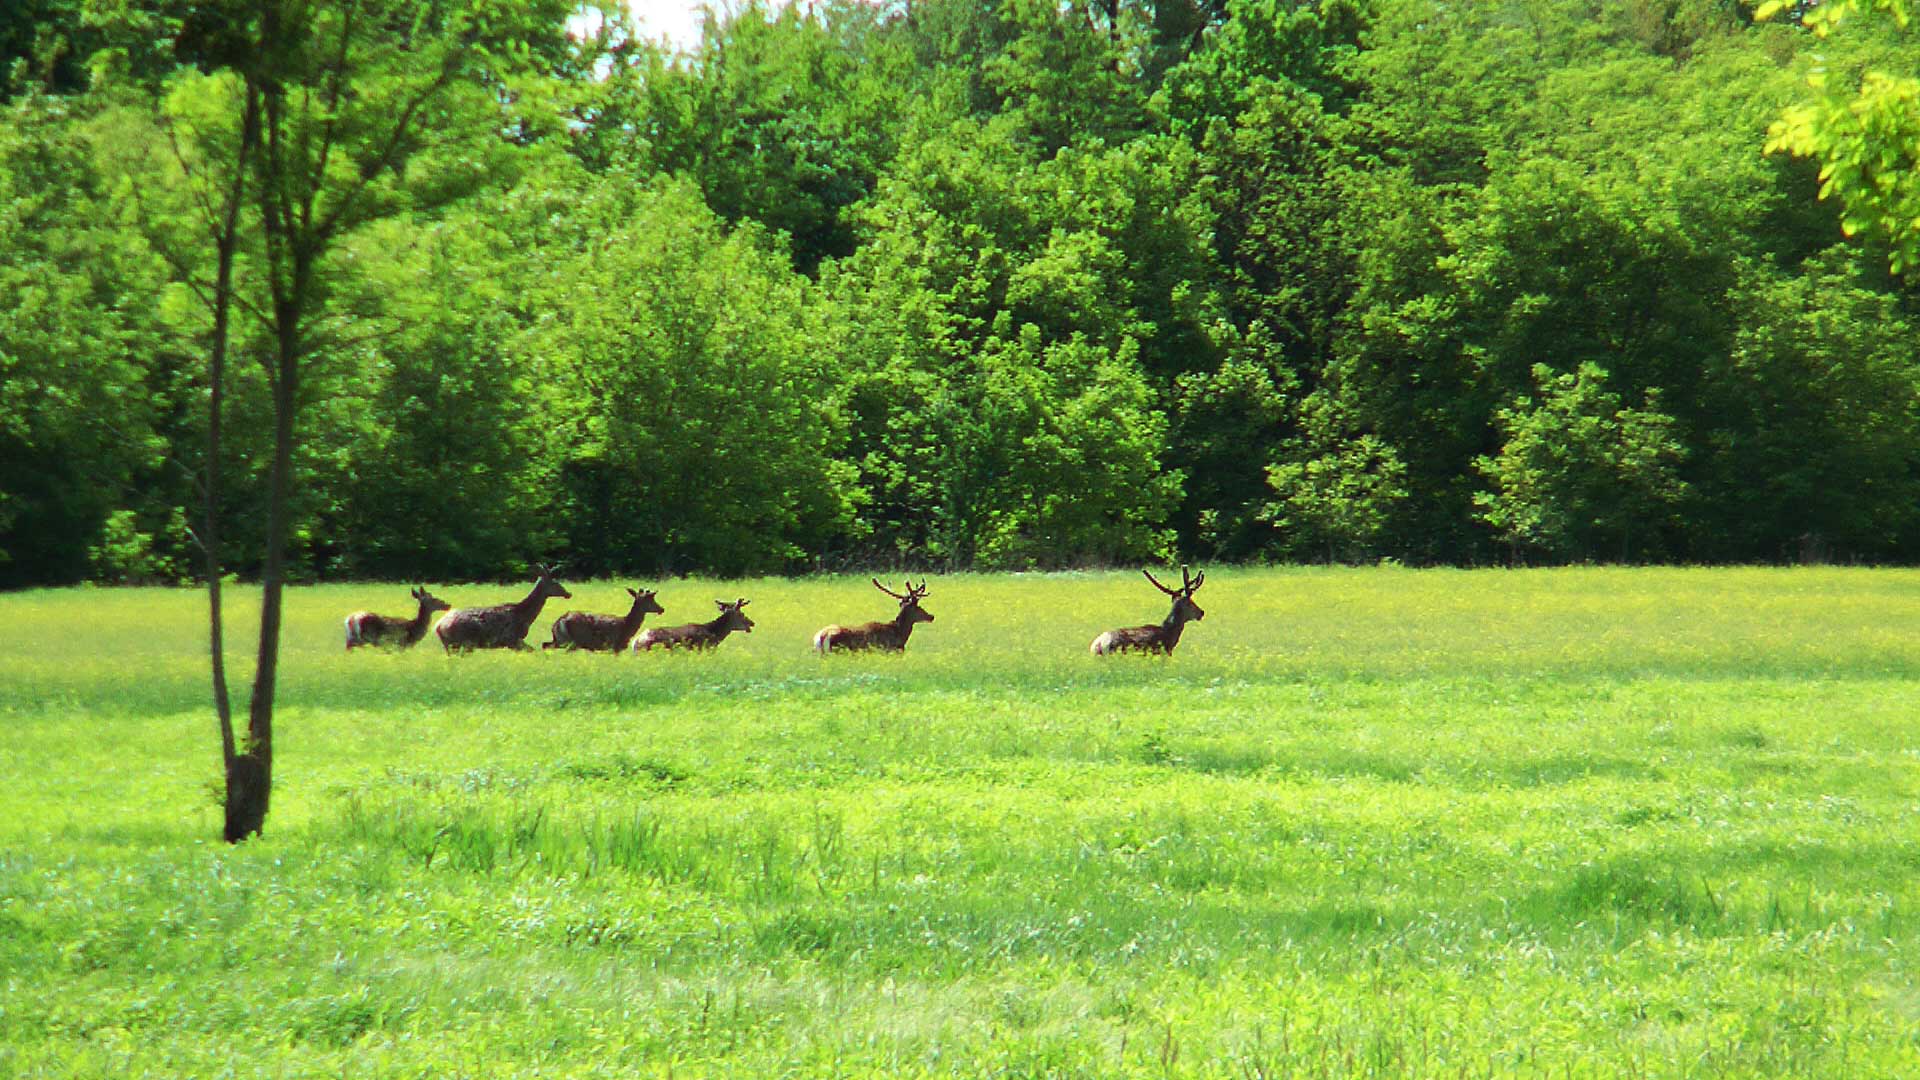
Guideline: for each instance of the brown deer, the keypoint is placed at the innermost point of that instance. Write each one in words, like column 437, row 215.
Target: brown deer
column 885, row 636
column 698, row 635
column 366, row 628
column 1162, row 638
column 600, row 633
column 503, row 626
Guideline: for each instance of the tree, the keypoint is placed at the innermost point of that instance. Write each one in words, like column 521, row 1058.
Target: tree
column 1225, row 425
column 1017, row 319
column 1814, row 447
column 78, row 418
column 47, row 40
column 690, row 393
column 1578, row 473
column 300, row 122
column 784, row 118
column 1339, row 492
column 1066, row 470
column 1865, row 133
column 427, row 446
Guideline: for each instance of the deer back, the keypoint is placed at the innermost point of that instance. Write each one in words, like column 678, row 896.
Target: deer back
column 502, row 626
column 581, row 630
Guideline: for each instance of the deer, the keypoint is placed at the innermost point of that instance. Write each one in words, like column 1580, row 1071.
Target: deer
column 366, row 628
column 1157, row 639
column 502, row 626
column 602, row 633
column 885, row 636
column 701, row 636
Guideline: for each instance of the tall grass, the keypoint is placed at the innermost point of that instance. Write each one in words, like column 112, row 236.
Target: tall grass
column 1364, row 823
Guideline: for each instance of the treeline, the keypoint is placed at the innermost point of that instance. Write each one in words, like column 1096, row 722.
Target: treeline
column 966, row 283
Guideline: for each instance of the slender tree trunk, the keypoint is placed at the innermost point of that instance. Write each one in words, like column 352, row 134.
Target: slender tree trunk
column 241, row 775
column 250, row 786
column 210, row 528
column 250, row 778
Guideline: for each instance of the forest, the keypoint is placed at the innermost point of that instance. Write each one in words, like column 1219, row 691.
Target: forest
column 951, row 284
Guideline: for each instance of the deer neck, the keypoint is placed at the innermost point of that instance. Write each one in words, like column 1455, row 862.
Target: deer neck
column 901, row 628
column 717, row 630
column 1171, row 628
column 417, row 629
column 630, row 625
column 528, row 610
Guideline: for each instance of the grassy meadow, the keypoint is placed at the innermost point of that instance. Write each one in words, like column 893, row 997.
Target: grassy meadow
column 1376, row 822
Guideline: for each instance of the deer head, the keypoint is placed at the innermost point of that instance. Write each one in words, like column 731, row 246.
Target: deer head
column 429, row 603
column 732, row 618
column 548, row 586
column 910, row 609
column 644, row 602
column 1184, row 609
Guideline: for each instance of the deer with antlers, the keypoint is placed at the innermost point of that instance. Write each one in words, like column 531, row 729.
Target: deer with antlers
column 1162, row 638
column 886, row 636
column 601, row 633
column 502, row 626
column 700, row 636
column 366, row 628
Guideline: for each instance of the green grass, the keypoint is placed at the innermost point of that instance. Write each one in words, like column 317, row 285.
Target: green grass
column 1579, row 823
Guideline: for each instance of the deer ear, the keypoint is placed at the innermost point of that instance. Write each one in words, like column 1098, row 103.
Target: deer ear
column 631, row 591
column 742, row 603
column 721, row 604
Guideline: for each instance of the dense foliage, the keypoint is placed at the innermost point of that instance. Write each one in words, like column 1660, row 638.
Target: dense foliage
column 969, row 282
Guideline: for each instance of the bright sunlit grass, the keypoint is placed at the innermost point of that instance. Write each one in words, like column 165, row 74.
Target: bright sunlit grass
column 1587, row 822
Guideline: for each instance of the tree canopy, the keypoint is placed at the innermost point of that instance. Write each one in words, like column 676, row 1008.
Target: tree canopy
column 966, row 283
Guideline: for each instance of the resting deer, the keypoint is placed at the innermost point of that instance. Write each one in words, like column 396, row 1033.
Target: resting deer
column 1162, row 638
column 366, row 628
column 503, row 626
column 600, row 633
column 698, row 635
column 887, row 636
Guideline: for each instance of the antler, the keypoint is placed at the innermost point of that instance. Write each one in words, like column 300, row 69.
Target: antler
column 890, row 592
column 1188, row 582
column 918, row 592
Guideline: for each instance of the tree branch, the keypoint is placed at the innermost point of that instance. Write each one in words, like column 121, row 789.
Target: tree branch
column 384, row 160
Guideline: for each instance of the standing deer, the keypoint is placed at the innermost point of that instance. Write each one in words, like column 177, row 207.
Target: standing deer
column 366, row 628
column 886, row 636
column 1162, row 638
column 600, row 633
column 698, row 635
column 502, row 626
